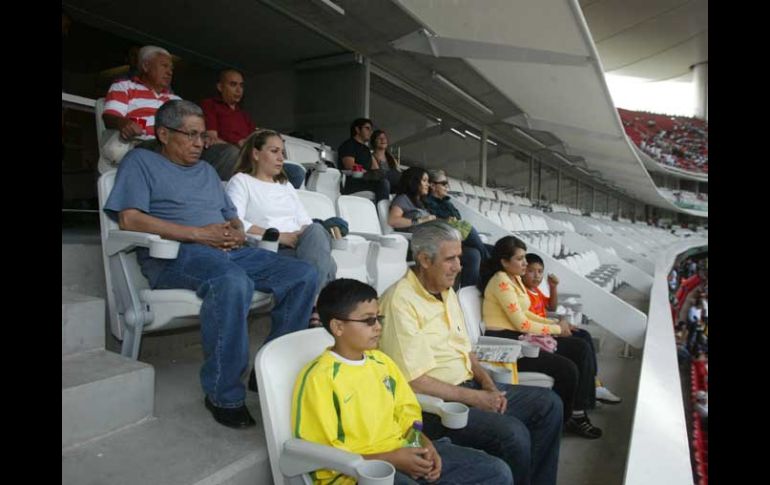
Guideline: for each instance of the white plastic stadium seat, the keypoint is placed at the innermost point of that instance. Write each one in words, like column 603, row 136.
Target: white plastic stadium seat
column 277, row 365
column 351, row 253
column 383, row 209
column 470, row 302
column 389, row 256
column 301, row 151
column 325, row 181
column 133, row 307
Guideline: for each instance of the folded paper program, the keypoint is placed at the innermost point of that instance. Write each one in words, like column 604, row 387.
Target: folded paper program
column 497, row 353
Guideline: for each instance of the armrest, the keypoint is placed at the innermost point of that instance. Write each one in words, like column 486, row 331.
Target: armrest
column 454, row 415
column 255, row 240
column 301, row 456
column 340, row 244
column 119, row 240
column 498, row 374
column 389, row 241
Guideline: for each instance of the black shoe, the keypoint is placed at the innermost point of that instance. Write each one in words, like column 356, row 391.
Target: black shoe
column 253, row 382
column 582, row 426
column 231, row 417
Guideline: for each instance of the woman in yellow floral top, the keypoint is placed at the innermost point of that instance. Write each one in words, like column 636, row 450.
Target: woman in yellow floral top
column 506, row 314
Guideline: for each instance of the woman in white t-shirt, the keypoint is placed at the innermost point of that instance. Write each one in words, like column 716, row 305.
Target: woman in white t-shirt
column 264, row 199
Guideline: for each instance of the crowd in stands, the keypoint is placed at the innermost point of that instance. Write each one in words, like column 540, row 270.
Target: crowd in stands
column 359, row 394
column 671, row 140
column 688, row 285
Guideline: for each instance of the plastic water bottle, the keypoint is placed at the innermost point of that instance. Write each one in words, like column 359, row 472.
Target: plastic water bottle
column 413, row 436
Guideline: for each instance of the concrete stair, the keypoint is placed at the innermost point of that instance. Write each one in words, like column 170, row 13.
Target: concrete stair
column 101, row 391
column 117, row 429
column 80, row 323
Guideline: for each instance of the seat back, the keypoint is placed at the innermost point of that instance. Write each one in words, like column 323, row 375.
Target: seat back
column 526, row 221
column 454, row 186
column 100, row 127
column 316, row 204
column 360, row 213
column 383, row 209
column 130, row 264
column 326, row 182
column 277, row 366
column 470, row 302
column 516, row 222
column 353, row 259
column 301, row 151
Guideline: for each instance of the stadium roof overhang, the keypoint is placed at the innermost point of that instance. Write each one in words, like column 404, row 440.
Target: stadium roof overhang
column 541, row 56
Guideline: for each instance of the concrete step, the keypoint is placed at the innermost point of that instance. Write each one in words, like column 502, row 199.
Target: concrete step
column 102, row 392
column 82, row 269
column 82, row 322
column 181, row 445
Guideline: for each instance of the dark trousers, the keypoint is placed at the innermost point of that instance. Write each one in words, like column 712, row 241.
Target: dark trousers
column 475, row 252
column 381, row 188
column 570, row 366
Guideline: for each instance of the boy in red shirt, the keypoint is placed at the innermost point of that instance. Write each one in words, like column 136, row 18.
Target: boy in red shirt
column 541, row 303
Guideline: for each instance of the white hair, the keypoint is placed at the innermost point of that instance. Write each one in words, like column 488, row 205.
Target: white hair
column 428, row 236
column 147, row 52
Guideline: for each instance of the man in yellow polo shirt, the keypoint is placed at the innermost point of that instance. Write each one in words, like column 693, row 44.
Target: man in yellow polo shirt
column 424, row 333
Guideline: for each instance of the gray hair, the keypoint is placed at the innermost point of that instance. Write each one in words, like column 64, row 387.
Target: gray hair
column 173, row 113
column 437, row 174
column 427, row 237
column 148, row 52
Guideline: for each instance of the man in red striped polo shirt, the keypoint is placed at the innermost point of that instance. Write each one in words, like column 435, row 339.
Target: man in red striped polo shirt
column 130, row 105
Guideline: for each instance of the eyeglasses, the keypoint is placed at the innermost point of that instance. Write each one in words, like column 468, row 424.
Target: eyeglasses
column 192, row 135
column 443, row 182
column 371, row 321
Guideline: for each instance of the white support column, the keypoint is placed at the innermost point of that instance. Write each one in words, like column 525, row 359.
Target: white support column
column 701, row 83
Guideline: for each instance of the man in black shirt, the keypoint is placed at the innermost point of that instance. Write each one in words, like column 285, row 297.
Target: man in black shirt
column 355, row 151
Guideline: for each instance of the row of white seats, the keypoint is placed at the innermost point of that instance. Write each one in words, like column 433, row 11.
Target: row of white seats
column 564, row 208
column 532, row 228
column 457, row 187
column 588, row 265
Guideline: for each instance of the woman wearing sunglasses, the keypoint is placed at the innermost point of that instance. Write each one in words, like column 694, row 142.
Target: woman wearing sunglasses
column 474, row 250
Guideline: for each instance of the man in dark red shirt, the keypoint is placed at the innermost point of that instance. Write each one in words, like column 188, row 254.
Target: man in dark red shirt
column 228, row 126
column 226, row 123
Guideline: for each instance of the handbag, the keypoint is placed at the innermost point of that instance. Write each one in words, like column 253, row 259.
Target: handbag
column 463, row 226
column 545, row 342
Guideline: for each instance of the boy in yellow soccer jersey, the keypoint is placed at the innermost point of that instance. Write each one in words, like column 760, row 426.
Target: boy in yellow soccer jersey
column 354, row 397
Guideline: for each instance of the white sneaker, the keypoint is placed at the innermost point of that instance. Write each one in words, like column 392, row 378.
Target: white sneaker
column 606, row 396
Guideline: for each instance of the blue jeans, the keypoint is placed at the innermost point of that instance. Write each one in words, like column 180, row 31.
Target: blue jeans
column 315, row 246
column 225, row 281
column 526, row 436
column 464, row 466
